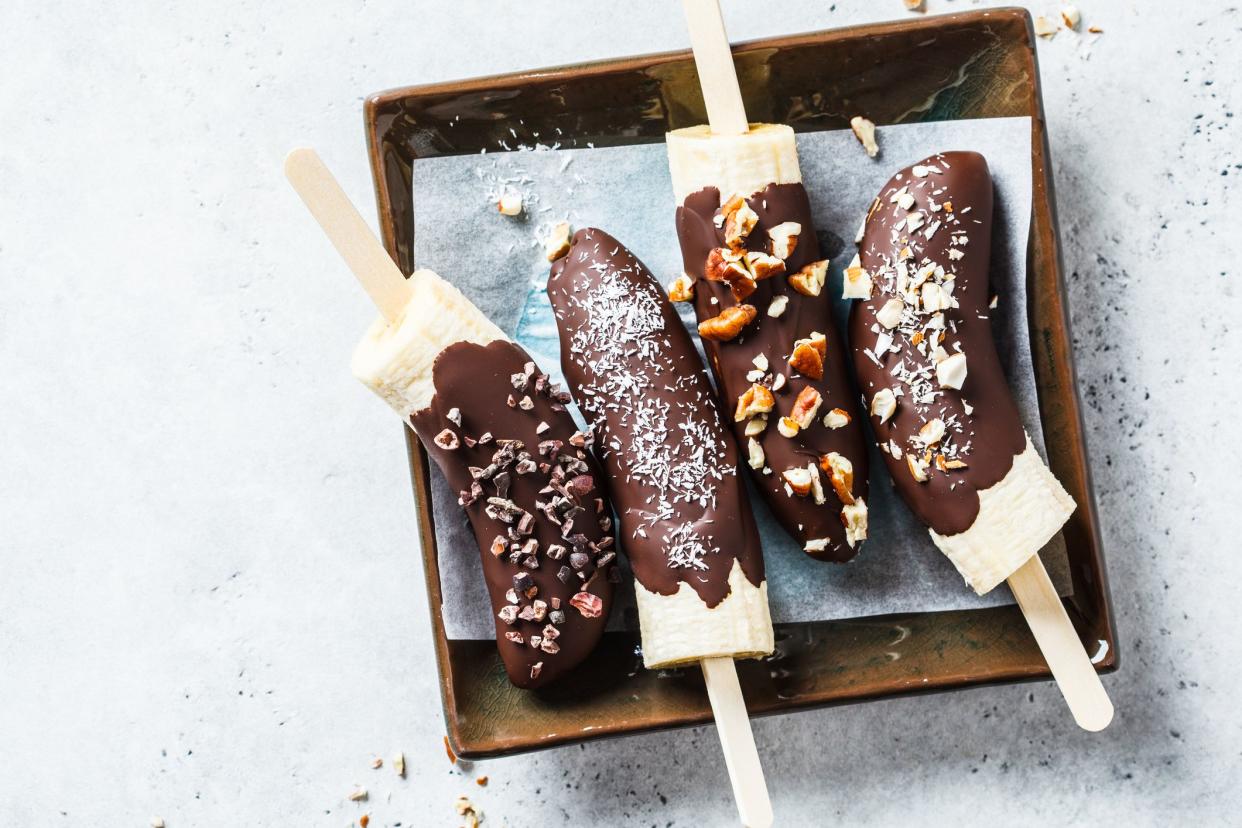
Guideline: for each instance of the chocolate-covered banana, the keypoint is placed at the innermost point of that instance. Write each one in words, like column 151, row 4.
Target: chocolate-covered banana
column 923, row 350
column 754, row 272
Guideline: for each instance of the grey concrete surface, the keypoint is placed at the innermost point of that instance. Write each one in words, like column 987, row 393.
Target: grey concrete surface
column 211, row 609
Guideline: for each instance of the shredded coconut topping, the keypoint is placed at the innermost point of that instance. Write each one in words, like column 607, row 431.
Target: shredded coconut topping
column 669, row 444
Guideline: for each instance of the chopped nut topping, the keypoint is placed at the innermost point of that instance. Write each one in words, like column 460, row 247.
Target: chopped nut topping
column 836, row 418
column 808, row 356
column 864, row 130
column 787, row 427
column 754, row 453
column 756, row 400
column 918, row 468
column 809, row 281
column 682, row 289
column 890, row 315
column 756, row 426
column 857, row 283
column 816, row 545
column 954, row 464
column 840, row 473
column 760, row 361
column 557, row 244
column 720, row 260
column 778, row 382
column 740, row 219
column 798, row 480
column 883, row 404
column 728, row 324
column 778, row 305
column 817, row 485
column 784, row 238
column 806, row 406
column 446, row 440
column 951, row 371
column 932, row 432
column 854, row 517
column 763, row 266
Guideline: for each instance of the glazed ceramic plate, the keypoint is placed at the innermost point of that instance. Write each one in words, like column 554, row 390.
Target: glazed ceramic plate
column 972, row 65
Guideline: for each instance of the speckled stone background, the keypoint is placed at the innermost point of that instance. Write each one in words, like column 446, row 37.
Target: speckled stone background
column 211, row 609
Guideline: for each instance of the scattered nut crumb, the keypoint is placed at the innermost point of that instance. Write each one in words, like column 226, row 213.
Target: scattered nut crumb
column 510, row 203
column 1071, row 17
column 557, row 244
column 864, row 131
column 1095, row 30
column 377, row 763
column 357, row 794
column 364, row 821
column 914, row 5
column 398, row 763
column 157, row 822
column 682, row 289
column 1045, row 27
column 481, row 781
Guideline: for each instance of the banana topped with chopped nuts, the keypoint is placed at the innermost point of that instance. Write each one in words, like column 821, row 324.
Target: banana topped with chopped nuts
column 500, row 433
column 922, row 345
column 754, row 272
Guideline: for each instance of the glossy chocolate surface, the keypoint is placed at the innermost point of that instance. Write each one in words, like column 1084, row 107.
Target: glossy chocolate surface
column 774, row 337
column 672, row 466
column 952, row 202
column 536, row 506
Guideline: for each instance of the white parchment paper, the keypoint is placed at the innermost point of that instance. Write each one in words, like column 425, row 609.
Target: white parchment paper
column 498, row 262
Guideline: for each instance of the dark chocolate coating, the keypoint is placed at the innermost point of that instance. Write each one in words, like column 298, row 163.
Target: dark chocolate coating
column 774, row 337
column 992, row 435
column 477, row 380
column 671, row 463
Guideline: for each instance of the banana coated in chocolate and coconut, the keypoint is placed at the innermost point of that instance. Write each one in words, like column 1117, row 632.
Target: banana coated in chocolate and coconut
column 499, row 431
column 672, row 466
column 922, row 345
column 754, row 272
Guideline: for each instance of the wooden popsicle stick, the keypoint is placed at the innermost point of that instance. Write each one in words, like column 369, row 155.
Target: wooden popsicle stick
column 353, row 239
column 1057, row 640
column 750, row 791
column 717, row 76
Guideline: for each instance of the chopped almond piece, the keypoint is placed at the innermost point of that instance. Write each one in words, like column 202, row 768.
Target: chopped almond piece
column 883, row 404
column 918, row 468
column 854, row 517
column 840, row 472
column 864, row 130
column 756, row 400
column 798, row 480
column 558, row 241
column 682, row 289
column 857, row 283
column 788, row 427
column 837, row 418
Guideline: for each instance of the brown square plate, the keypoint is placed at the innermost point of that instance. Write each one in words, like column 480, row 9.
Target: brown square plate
column 974, row 65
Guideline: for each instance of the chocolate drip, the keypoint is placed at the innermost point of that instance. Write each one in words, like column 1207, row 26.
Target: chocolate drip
column 672, row 466
column 774, row 337
column 539, row 500
column 955, row 190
